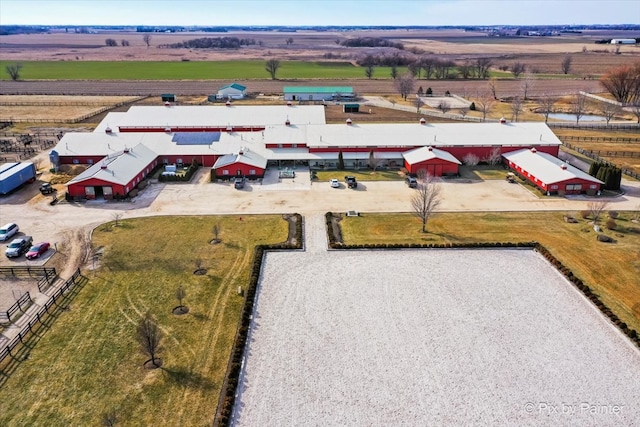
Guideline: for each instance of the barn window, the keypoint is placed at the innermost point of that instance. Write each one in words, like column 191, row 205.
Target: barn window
column 225, row 172
column 593, row 186
column 294, row 145
column 279, row 145
column 76, row 161
column 90, row 161
column 165, row 161
column 126, row 190
column 554, row 187
column 252, row 172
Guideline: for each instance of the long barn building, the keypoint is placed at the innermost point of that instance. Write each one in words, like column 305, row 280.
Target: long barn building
column 255, row 137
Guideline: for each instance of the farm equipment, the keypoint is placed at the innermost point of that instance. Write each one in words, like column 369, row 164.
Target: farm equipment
column 47, row 188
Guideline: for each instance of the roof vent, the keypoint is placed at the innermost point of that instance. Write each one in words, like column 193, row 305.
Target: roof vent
column 167, row 130
column 349, row 122
column 126, row 150
column 287, row 122
column 228, row 103
column 103, row 166
column 167, row 104
column 422, row 121
column 229, row 128
column 503, row 120
column 533, row 150
column 289, row 103
column 563, row 167
column 430, row 148
column 108, row 130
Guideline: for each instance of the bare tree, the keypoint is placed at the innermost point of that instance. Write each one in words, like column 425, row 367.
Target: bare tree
column 470, row 159
column 493, row 86
column 466, row 70
column 394, row 71
column 444, row 69
column 482, row 67
column 516, row 108
column 546, row 104
column 116, row 218
column 405, row 84
column 289, row 41
column 517, row 68
column 374, row 161
column 484, row 104
column 147, row 39
column 216, row 233
column 578, row 106
column 463, row 111
column 14, row 71
column 526, row 84
column 444, row 106
column 419, row 103
column 368, row 71
column 428, row 65
column 494, row 157
column 111, row 42
column 109, row 419
column 623, row 83
column 149, row 337
column 425, row 200
column 180, row 295
column 596, row 209
column 566, row 64
column 124, row 42
column 635, row 109
column 272, row 65
column 609, row 111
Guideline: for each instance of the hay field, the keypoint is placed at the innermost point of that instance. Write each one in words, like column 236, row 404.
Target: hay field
column 441, row 337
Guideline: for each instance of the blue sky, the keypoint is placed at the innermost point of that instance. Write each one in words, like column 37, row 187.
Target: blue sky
column 312, row 12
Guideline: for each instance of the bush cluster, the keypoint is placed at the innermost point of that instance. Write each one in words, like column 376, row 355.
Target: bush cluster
column 609, row 174
column 211, row 43
column 232, row 376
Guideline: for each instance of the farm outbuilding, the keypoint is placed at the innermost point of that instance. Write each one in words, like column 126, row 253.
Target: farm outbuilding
column 115, row 175
column 13, row 175
column 318, row 93
column 232, row 91
column 550, row 174
column 169, row 97
column 431, row 160
column 623, row 41
column 245, row 163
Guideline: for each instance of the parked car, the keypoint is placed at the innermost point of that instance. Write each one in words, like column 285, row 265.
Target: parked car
column 18, row 246
column 411, row 182
column 37, row 250
column 8, row 231
column 238, row 182
column 351, row 181
column 47, row 188
column 335, row 183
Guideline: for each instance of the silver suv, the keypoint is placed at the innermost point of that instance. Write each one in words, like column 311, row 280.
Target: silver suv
column 8, row 230
column 18, row 246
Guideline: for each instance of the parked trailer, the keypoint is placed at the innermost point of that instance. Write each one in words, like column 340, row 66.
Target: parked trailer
column 13, row 175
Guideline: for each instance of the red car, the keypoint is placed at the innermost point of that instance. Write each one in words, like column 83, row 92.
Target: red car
column 37, row 250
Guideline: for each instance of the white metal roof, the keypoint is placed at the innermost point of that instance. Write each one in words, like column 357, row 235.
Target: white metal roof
column 234, row 115
column 120, row 167
column 546, row 168
column 247, row 157
column 427, row 153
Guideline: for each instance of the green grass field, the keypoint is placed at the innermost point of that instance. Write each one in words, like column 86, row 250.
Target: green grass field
column 611, row 270
column 88, row 362
column 191, row 70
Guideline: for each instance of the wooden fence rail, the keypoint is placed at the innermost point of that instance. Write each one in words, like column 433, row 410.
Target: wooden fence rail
column 20, row 305
column 595, row 125
column 594, row 156
column 38, row 318
column 599, row 139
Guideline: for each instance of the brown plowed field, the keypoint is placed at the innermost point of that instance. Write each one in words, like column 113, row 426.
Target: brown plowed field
column 362, row 86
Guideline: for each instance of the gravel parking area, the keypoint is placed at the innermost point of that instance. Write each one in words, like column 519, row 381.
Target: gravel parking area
column 437, row 337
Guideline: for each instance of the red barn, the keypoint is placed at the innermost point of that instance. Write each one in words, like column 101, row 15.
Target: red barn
column 245, row 163
column 551, row 174
column 433, row 161
column 115, row 175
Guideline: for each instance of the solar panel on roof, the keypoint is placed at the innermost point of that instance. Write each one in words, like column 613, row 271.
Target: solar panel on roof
column 195, row 138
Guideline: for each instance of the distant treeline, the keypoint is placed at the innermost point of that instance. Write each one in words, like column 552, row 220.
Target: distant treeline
column 371, row 42
column 211, row 43
column 6, row 30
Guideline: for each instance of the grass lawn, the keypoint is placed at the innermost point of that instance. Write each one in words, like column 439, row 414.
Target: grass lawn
column 611, row 270
column 192, row 70
column 88, row 362
column 361, row 175
column 482, row 172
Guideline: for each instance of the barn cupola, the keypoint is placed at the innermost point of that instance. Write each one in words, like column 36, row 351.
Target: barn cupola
column 108, row 130
column 289, row 104
column 103, row 166
column 563, row 166
column 228, row 103
column 503, row 120
column 287, row 122
column 349, row 122
column 423, row 121
column 167, row 104
column 126, row 150
column 430, row 148
column 533, row 150
column 167, row 129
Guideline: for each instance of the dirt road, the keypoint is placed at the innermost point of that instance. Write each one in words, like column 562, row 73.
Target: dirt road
column 361, row 86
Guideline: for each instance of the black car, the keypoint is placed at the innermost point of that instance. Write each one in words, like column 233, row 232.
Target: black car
column 238, row 182
column 351, row 181
column 411, row 182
